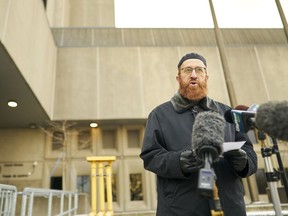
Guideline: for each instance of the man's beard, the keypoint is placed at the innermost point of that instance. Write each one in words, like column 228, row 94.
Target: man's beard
column 193, row 93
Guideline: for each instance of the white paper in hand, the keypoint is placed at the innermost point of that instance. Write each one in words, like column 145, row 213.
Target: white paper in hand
column 228, row 146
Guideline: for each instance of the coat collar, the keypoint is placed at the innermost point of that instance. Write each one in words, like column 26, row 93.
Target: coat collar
column 181, row 104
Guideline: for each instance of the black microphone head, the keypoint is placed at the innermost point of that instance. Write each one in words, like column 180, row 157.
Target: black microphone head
column 208, row 134
column 272, row 118
column 228, row 115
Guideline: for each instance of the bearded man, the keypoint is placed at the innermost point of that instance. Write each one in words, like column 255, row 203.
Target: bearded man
column 166, row 149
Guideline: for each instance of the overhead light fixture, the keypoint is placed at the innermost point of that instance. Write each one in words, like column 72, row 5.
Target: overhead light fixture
column 32, row 126
column 12, row 103
column 93, row 125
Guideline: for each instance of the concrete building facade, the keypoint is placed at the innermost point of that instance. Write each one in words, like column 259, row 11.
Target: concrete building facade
column 77, row 68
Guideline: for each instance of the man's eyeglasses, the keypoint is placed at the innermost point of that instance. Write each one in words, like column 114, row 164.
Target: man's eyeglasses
column 189, row 70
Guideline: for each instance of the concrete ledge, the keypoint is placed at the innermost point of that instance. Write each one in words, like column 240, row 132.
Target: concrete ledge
column 264, row 209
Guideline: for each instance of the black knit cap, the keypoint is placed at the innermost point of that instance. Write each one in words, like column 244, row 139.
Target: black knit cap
column 192, row 56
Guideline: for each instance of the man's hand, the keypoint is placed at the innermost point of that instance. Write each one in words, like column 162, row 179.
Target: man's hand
column 237, row 159
column 188, row 162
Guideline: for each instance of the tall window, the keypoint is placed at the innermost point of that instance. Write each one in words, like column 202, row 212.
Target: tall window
column 83, row 184
column 84, row 139
column 56, row 182
column 136, row 190
column 133, row 138
column 114, row 188
column 57, row 140
column 109, row 138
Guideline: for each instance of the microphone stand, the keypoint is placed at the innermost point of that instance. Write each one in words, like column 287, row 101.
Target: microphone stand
column 216, row 209
column 275, row 150
column 272, row 176
column 207, row 186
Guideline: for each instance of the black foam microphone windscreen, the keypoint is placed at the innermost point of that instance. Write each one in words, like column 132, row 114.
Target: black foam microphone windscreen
column 208, row 134
column 272, row 118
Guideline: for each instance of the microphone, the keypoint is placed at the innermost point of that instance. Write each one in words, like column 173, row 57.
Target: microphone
column 207, row 142
column 208, row 135
column 242, row 116
column 272, row 118
column 228, row 114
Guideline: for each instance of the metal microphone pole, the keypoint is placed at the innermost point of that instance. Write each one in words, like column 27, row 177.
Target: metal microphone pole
column 271, row 176
column 216, row 209
column 275, row 150
column 207, row 186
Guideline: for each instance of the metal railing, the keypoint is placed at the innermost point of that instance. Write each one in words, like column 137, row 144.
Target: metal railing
column 8, row 199
column 68, row 201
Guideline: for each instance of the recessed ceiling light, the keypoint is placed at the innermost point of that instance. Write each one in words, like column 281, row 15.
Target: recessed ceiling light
column 32, row 126
column 93, row 125
column 12, row 104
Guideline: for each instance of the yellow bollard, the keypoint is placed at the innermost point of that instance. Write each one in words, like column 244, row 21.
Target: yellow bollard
column 109, row 189
column 97, row 176
column 101, row 188
column 93, row 187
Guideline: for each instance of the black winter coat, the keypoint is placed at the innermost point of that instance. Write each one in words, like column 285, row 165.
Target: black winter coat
column 167, row 134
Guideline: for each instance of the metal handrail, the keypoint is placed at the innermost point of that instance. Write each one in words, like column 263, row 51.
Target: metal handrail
column 31, row 193
column 8, row 199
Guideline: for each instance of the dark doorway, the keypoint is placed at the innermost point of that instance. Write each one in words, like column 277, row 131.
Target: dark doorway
column 56, row 182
